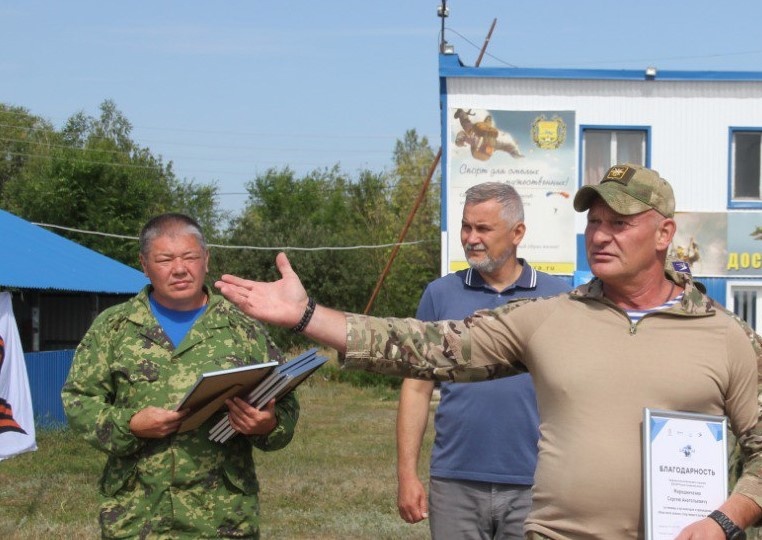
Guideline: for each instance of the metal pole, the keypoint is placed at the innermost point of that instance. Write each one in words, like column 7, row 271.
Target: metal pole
column 411, row 215
column 421, row 194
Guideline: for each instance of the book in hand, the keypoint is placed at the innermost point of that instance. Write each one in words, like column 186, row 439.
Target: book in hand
column 209, row 392
column 282, row 380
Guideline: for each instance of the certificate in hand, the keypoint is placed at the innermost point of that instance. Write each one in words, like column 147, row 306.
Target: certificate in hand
column 685, row 469
column 208, row 394
column 283, row 379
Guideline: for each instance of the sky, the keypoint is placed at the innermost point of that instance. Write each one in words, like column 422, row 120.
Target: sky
column 227, row 90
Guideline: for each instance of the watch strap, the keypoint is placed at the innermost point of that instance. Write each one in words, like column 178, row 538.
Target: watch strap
column 732, row 531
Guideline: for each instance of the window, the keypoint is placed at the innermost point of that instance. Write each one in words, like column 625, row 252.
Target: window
column 603, row 147
column 746, row 173
column 746, row 302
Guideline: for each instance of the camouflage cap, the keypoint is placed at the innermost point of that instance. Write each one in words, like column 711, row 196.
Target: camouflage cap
column 629, row 189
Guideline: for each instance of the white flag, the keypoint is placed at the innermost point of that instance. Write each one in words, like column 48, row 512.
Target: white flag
column 16, row 415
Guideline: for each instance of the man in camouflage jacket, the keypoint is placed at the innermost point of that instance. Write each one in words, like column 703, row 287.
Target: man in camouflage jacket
column 158, row 483
column 633, row 337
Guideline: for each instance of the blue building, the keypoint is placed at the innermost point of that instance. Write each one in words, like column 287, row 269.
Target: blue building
column 550, row 131
column 58, row 286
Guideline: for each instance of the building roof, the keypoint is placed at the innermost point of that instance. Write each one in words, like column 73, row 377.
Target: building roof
column 35, row 258
column 450, row 65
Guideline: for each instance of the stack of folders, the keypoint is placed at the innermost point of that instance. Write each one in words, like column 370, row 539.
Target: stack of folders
column 280, row 382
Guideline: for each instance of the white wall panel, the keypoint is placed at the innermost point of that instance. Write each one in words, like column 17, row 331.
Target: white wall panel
column 689, row 120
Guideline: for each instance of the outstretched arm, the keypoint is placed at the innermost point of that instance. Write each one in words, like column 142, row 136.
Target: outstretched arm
column 283, row 303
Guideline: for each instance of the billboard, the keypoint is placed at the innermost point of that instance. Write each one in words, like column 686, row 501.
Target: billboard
column 719, row 244
column 534, row 151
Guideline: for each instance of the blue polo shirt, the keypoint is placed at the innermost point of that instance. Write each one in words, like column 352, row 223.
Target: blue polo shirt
column 486, row 431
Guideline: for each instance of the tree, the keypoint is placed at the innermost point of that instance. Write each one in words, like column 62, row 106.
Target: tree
column 328, row 209
column 416, row 265
column 23, row 137
column 96, row 178
column 315, row 211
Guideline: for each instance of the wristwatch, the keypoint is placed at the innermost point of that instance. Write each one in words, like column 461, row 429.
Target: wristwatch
column 732, row 531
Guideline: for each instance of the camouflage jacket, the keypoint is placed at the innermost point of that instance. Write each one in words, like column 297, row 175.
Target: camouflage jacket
column 593, row 369
column 182, row 486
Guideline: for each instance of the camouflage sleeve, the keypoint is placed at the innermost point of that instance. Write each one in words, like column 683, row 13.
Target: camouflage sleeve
column 750, row 481
column 411, row 348
column 88, row 397
column 750, row 442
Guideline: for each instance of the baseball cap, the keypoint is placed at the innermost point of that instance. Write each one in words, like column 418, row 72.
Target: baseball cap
column 629, row 189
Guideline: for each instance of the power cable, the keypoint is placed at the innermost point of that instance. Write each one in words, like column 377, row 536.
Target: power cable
column 255, row 248
column 619, row 60
column 189, row 145
column 163, row 164
column 93, row 162
column 237, row 134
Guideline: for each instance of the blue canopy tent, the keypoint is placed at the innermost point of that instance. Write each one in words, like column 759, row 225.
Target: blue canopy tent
column 35, row 258
column 59, row 286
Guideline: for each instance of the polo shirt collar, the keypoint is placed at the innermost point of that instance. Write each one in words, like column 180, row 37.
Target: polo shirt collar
column 527, row 278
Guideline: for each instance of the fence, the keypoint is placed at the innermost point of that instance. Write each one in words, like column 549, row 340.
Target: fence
column 47, row 372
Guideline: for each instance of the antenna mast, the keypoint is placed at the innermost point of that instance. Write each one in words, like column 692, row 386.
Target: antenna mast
column 442, row 13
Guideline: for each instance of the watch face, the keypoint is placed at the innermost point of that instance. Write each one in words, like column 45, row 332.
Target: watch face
column 738, row 535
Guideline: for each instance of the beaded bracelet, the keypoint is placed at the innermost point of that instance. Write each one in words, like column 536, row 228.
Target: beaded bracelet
column 299, row 328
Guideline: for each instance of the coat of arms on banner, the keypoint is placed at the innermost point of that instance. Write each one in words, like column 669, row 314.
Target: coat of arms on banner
column 548, row 134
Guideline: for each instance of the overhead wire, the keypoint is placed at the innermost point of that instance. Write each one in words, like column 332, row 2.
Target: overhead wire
column 614, row 61
column 254, row 248
column 662, row 59
column 127, row 154
column 183, row 144
column 257, row 165
column 302, row 134
column 176, row 160
column 161, row 164
column 91, row 162
column 391, row 185
column 478, row 47
column 159, row 158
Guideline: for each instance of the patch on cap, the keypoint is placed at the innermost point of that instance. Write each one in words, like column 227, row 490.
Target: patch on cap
column 629, row 189
column 619, row 173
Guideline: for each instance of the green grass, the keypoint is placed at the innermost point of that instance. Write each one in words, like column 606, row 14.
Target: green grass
column 51, row 493
column 335, row 480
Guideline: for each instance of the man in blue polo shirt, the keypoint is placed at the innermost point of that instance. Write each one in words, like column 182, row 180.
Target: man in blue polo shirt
column 482, row 465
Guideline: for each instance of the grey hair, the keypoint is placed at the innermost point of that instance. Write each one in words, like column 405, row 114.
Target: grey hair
column 169, row 223
column 505, row 194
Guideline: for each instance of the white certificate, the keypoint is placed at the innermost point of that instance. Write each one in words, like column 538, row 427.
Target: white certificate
column 685, row 469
